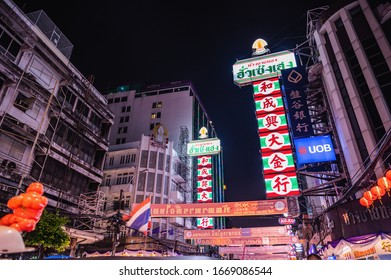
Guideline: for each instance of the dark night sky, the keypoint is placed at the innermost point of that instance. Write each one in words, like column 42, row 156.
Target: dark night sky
column 120, row 42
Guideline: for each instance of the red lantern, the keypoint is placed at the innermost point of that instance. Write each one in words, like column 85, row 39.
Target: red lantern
column 383, row 182
column 388, row 174
column 365, row 202
column 370, row 196
column 378, row 191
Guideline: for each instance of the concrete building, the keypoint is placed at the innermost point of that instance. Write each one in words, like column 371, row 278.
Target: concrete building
column 355, row 54
column 54, row 124
column 352, row 73
column 147, row 154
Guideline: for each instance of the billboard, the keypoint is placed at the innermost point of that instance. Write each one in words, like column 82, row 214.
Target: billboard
column 294, row 80
column 314, row 149
column 247, row 71
column 208, row 146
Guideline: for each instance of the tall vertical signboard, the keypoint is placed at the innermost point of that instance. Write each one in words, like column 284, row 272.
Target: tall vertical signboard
column 276, row 149
column 203, row 149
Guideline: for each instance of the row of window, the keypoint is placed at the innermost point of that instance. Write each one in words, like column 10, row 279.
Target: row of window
column 117, row 99
column 164, row 91
column 120, row 141
column 10, row 43
column 125, row 109
column 124, row 119
column 122, row 130
column 123, row 159
column 156, row 115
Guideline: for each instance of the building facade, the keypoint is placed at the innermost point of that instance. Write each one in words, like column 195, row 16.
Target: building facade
column 152, row 127
column 54, row 124
column 354, row 67
column 354, row 47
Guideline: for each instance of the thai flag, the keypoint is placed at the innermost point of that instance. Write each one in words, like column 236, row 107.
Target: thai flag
column 140, row 216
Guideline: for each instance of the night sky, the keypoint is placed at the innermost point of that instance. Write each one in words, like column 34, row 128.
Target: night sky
column 122, row 42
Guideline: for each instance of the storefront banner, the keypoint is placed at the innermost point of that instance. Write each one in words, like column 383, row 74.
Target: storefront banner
column 376, row 247
column 351, row 219
column 226, row 209
column 236, row 232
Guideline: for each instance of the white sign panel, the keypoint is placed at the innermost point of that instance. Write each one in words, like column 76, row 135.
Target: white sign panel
column 208, row 146
column 247, row 71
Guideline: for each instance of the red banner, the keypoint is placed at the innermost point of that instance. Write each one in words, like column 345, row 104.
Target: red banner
column 226, row 209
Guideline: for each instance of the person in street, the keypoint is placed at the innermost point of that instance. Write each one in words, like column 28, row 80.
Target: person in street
column 313, row 257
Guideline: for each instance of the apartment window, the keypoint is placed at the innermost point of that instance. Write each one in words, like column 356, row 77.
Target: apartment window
column 124, row 99
column 118, row 141
column 151, row 126
column 123, row 140
column 111, row 161
column 9, row 43
column 21, row 102
column 125, row 179
column 152, row 159
column 126, row 119
column 155, row 115
column 141, row 181
column 82, row 108
column 119, row 179
column 110, row 100
column 119, row 130
column 161, row 161
column 108, row 181
column 121, row 119
column 157, row 105
column 150, row 182
column 123, row 109
column 125, row 130
column 133, row 158
column 127, row 159
column 144, row 159
column 139, row 198
column 159, row 182
column 122, row 160
column 116, row 100
column 11, row 147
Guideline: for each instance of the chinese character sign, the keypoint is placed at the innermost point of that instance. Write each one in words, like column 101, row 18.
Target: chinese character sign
column 203, row 223
column 276, row 148
column 294, row 80
column 204, row 179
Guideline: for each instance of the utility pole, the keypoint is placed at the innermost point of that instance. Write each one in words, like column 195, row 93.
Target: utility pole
column 116, row 222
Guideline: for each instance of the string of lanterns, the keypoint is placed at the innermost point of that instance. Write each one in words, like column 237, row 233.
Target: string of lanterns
column 377, row 191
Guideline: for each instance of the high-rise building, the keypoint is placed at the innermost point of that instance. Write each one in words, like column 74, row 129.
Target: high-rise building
column 54, row 124
column 354, row 47
column 353, row 74
column 148, row 150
